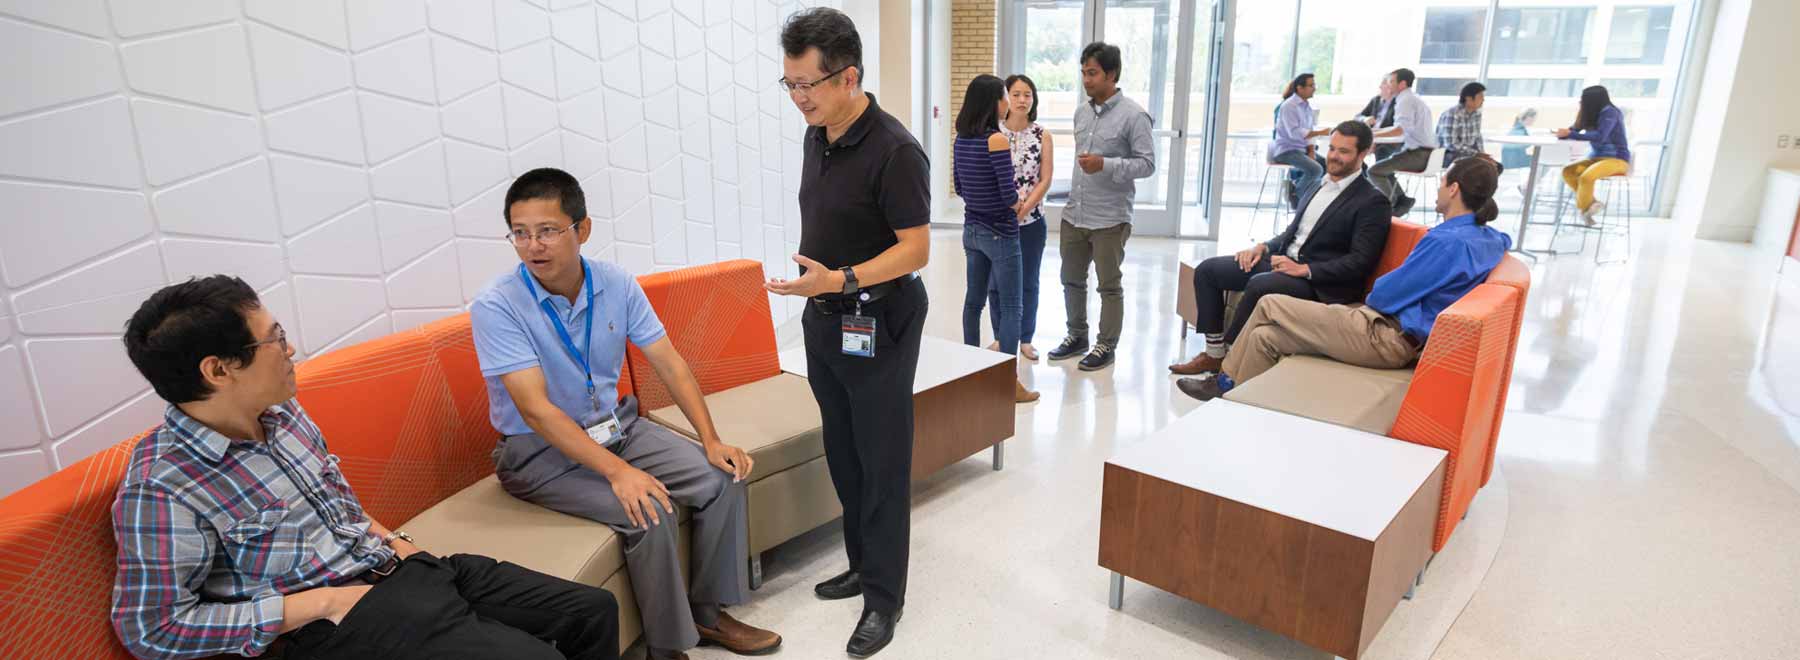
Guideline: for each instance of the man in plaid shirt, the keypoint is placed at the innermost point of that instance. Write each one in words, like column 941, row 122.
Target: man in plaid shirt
column 237, row 531
column 1459, row 128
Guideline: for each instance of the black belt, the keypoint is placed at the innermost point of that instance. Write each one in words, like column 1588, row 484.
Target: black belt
column 377, row 574
column 840, row 303
column 1412, row 341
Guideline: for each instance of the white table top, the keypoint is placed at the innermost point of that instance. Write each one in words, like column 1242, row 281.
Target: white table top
column 1540, row 140
column 1327, row 475
column 940, row 361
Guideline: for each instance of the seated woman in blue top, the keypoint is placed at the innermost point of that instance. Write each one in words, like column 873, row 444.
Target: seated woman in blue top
column 1389, row 331
column 1601, row 123
column 982, row 171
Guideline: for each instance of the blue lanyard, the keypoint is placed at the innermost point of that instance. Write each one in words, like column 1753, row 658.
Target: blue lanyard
column 587, row 339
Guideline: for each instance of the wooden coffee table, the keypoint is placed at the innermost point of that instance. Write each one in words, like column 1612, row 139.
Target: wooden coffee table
column 962, row 402
column 1307, row 529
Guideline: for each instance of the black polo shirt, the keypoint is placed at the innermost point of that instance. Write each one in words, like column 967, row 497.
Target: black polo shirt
column 856, row 192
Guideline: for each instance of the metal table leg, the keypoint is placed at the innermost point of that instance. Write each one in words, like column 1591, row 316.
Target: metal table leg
column 1115, row 597
column 999, row 455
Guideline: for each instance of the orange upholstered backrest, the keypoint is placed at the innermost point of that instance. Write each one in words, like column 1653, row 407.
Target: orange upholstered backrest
column 717, row 317
column 57, row 561
column 407, row 413
column 1458, row 394
column 1511, row 273
column 1402, row 237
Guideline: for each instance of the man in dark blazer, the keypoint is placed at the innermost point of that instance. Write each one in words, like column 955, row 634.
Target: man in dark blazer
column 1326, row 253
column 1379, row 114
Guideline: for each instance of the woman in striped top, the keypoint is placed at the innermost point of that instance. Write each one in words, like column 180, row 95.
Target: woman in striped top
column 983, row 174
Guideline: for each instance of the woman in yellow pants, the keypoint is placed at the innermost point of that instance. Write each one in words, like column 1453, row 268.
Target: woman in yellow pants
column 1602, row 124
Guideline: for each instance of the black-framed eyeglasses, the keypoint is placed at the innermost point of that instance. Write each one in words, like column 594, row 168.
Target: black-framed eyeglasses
column 805, row 88
column 279, row 338
column 547, row 235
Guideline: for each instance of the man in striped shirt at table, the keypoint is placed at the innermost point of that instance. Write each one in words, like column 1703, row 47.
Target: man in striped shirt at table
column 237, row 532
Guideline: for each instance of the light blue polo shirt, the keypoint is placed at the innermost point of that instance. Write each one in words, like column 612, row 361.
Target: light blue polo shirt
column 512, row 333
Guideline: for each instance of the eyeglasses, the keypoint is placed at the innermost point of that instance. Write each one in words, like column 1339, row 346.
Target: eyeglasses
column 805, row 88
column 547, row 235
column 279, row 338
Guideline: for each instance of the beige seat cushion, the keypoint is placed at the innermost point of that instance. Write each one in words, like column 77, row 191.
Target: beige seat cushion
column 775, row 419
column 484, row 519
column 1329, row 391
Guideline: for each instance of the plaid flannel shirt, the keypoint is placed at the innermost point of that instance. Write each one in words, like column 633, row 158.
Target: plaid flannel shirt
column 213, row 532
column 1459, row 133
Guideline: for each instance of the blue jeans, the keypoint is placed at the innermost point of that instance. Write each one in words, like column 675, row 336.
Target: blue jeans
column 992, row 258
column 1307, row 170
column 1031, row 252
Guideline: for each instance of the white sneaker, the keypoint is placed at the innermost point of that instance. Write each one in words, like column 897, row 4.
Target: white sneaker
column 1593, row 211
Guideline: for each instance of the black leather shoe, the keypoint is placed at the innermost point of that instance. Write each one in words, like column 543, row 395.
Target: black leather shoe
column 873, row 633
column 846, row 585
column 1070, row 347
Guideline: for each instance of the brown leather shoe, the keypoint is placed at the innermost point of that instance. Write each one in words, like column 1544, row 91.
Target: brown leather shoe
column 737, row 637
column 1022, row 395
column 1202, row 363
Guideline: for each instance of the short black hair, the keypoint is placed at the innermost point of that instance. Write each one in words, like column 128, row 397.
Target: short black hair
column 1469, row 91
column 182, row 324
column 1294, row 85
column 547, row 183
column 1356, row 129
column 979, row 116
column 1104, row 54
column 830, row 31
column 1404, row 75
column 1022, row 78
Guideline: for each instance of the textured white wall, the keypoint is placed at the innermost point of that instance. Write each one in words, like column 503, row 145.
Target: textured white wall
column 348, row 158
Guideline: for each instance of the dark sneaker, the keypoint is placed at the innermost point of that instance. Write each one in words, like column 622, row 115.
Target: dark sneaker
column 1100, row 358
column 1070, row 347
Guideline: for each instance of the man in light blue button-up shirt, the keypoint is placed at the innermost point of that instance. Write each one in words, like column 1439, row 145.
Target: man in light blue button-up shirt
column 550, row 334
column 1113, row 150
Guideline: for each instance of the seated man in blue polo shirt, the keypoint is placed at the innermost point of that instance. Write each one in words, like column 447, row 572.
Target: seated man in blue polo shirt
column 550, row 335
column 1390, row 331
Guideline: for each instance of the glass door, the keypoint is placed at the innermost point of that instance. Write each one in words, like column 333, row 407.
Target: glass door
column 1168, row 66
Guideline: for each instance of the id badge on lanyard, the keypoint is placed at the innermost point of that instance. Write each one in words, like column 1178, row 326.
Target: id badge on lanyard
column 859, row 334
column 579, row 355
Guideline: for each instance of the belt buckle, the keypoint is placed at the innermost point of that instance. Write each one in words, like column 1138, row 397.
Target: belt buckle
column 378, row 573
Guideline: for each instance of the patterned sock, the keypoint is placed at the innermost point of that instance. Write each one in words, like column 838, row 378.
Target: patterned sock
column 1215, row 345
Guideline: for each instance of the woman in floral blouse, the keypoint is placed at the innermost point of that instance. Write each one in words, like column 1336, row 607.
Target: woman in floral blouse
column 1031, row 146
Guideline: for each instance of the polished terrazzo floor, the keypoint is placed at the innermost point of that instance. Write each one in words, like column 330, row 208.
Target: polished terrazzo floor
column 1646, row 502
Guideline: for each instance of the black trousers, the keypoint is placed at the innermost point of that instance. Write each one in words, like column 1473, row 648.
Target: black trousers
column 467, row 607
column 1217, row 275
column 866, row 405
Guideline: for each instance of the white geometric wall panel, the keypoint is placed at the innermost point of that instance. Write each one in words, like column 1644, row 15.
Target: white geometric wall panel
column 349, row 159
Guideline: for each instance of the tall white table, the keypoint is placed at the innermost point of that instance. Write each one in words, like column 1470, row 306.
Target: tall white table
column 1535, row 145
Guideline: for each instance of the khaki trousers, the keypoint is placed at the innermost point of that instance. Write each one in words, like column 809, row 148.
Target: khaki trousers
column 1285, row 325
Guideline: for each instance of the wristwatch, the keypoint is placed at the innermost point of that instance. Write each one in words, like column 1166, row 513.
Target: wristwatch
column 850, row 285
column 389, row 539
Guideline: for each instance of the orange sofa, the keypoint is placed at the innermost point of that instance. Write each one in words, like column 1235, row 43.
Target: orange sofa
column 1453, row 399
column 408, row 415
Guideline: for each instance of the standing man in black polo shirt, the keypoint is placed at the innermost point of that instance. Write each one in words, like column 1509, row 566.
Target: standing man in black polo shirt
column 865, row 209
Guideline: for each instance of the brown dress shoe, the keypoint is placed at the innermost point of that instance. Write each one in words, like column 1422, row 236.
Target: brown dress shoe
column 1022, row 395
column 738, row 637
column 1202, row 363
